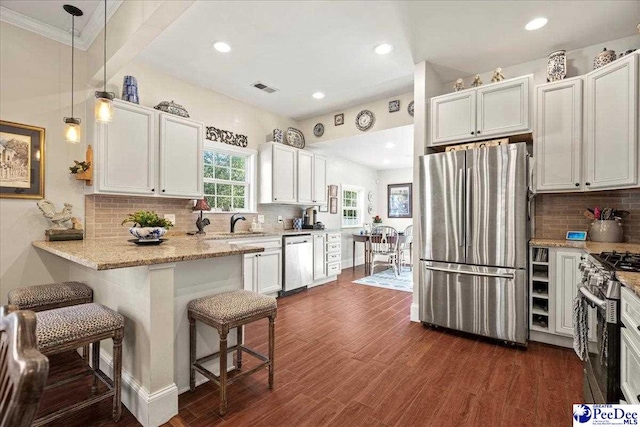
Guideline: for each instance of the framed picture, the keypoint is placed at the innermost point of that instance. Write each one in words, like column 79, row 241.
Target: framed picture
column 338, row 119
column 399, row 200
column 333, row 205
column 333, row 191
column 21, row 161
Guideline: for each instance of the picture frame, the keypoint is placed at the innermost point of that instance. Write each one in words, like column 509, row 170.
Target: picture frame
column 338, row 119
column 333, row 205
column 400, row 200
column 22, row 158
column 333, row 191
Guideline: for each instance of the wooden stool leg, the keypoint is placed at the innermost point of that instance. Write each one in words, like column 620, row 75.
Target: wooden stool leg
column 117, row 375
column 192, row 353
column 239, row 343
column 95, row 352
column 223, row 372
column 272, row 348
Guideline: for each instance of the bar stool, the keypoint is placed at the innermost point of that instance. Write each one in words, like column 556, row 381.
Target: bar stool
column 50, row 296
column 226, row 311
column 68, row 328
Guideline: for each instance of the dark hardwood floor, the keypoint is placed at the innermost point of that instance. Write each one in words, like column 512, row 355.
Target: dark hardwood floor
column 347, row 355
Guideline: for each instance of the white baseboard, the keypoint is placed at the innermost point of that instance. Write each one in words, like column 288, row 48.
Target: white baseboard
column 151, row 410
column 415, row 313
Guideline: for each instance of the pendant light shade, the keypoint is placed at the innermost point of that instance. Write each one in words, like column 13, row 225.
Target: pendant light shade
column 72, row 128
column 104, row 99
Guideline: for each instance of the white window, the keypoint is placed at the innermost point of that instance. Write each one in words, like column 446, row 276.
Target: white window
column 229, row 178
column 352, row 206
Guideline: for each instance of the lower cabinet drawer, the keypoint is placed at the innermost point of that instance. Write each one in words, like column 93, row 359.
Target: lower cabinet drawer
column 333, row 269
column 333, row 247
column 333, row 237
column 630, row 367
column 334, row 257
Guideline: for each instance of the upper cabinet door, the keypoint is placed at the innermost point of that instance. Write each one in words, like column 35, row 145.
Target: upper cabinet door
column 612, row 125
column 503, row 108
column 453, row 117
column 305, row 177
column 127, row 151
column 319, row 180
column 181, row 162
column 285, row 171
column 558, row 144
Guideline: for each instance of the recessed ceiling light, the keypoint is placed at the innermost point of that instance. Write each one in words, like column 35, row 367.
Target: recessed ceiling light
column 318, row 95
column 536, row 24
column 389, row 145
column 386, row 161
column 383, row 48
column 222, row 47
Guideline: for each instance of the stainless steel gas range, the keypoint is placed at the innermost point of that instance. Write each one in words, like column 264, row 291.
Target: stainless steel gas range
column 602, row 292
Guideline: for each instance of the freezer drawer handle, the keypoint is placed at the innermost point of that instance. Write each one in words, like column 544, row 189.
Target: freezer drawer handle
column 592, row 298
column 509, row 276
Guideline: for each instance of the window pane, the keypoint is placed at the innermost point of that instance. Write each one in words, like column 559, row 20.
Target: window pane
column 222, row 173
column 224, row 203
column 238, row 162
column 222, row 159
column 238, row 190
column 209, row 188
column 347, row 203
column 208, row 157
column 223, row 189
column 211, row 201
column 208, row 171
column 238, row 202
column 237, row 175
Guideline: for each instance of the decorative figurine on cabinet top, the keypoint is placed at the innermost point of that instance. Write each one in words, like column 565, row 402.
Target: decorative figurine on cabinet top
column 497, row 75
column 477, row 81
column 557, row 66
column 603, row 58
column 459, row 85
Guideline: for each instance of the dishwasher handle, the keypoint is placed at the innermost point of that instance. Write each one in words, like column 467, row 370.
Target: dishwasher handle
column 298, row 242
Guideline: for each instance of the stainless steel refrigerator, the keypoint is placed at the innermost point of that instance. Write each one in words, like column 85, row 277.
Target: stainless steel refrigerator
column 474, row 226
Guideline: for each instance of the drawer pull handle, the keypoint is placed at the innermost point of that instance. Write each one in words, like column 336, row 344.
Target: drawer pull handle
column 638, row 327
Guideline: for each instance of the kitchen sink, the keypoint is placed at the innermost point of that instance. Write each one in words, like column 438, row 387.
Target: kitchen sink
column 227, row 235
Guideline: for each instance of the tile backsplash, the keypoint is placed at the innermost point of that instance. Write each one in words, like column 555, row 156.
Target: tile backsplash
column 104, row 215
column 557, row 213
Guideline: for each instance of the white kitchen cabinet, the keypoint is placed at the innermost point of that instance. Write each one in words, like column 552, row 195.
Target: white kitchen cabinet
column 494, row 109
column 611, row 117
column 558, row 143
column 126, row 151
column 278, row 171
column 503, row 108
column 630, row 346
column 181, row 157
column 305, row 177
column 262, row 272
column 567, row 280
column 319, row 180
column 319, row 255
column 453, row 117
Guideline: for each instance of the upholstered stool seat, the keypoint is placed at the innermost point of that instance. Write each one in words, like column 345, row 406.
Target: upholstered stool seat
column 225, row 311
column 52, row 295
column 68, row 328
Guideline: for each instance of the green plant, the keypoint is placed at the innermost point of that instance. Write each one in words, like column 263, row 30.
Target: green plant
column 377, row 219
column 147, row 219
column 79, row 167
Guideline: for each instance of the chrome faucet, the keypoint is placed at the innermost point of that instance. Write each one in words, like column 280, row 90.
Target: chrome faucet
column 233, row 220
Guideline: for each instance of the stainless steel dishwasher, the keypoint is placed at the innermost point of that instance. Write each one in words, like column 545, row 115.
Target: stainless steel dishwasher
column 298, row 263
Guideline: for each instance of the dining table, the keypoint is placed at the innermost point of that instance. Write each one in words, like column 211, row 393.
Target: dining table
column 365, row 238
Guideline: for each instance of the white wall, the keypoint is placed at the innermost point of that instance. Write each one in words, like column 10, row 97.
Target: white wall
column 392, row 176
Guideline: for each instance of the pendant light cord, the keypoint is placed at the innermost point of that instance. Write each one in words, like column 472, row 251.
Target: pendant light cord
column 73, row 51
column 105, row 45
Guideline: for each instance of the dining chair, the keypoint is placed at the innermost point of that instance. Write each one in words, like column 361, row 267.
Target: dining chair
column 23, row 369
column 406, row 246
column 383, row 247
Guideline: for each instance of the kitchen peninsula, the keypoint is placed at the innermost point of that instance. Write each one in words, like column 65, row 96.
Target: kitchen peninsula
column 150, row 287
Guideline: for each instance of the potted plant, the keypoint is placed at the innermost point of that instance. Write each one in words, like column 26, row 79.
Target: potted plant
column 377, row 220
column 147, row 226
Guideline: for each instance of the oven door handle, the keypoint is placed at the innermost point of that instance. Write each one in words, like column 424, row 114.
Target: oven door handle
column 592, row 298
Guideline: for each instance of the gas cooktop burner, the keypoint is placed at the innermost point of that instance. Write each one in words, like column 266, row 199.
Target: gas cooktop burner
column 620, row 261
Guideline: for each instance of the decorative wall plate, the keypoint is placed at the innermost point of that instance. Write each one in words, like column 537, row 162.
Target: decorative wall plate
column 370, row 208
column 394, row 105
column 338, row 119
column 365, row 120
column 370, row 196
column 318, row 130
column 410, row 109
column 295, row 138
column 172, row 108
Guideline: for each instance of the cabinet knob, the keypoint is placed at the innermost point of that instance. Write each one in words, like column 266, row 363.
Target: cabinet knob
column 163, row 190
column 639, row 330
column 478, row 132
column 587, row 183
column 275, row 198
column 473, row 133
column 577, row 184
column 153, row 189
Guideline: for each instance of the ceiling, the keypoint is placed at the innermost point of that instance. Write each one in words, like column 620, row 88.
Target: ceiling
column 49, row 19
column 370, row 149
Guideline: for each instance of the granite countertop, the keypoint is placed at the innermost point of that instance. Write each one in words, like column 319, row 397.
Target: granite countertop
column 111, row 253
column 630, row 280
column 246, row 235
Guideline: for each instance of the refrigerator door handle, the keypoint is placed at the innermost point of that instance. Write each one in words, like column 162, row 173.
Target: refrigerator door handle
column 510, row 276
column 460, row 205
column 467, row 228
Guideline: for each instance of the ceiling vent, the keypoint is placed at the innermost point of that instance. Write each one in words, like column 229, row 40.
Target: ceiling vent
column 263, row 87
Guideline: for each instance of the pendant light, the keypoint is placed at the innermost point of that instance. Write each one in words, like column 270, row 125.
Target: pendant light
column 72, row 130
column 104, row 99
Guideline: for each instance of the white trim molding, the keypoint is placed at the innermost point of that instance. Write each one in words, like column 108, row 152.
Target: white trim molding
column 83, row 41
column 415, row 313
